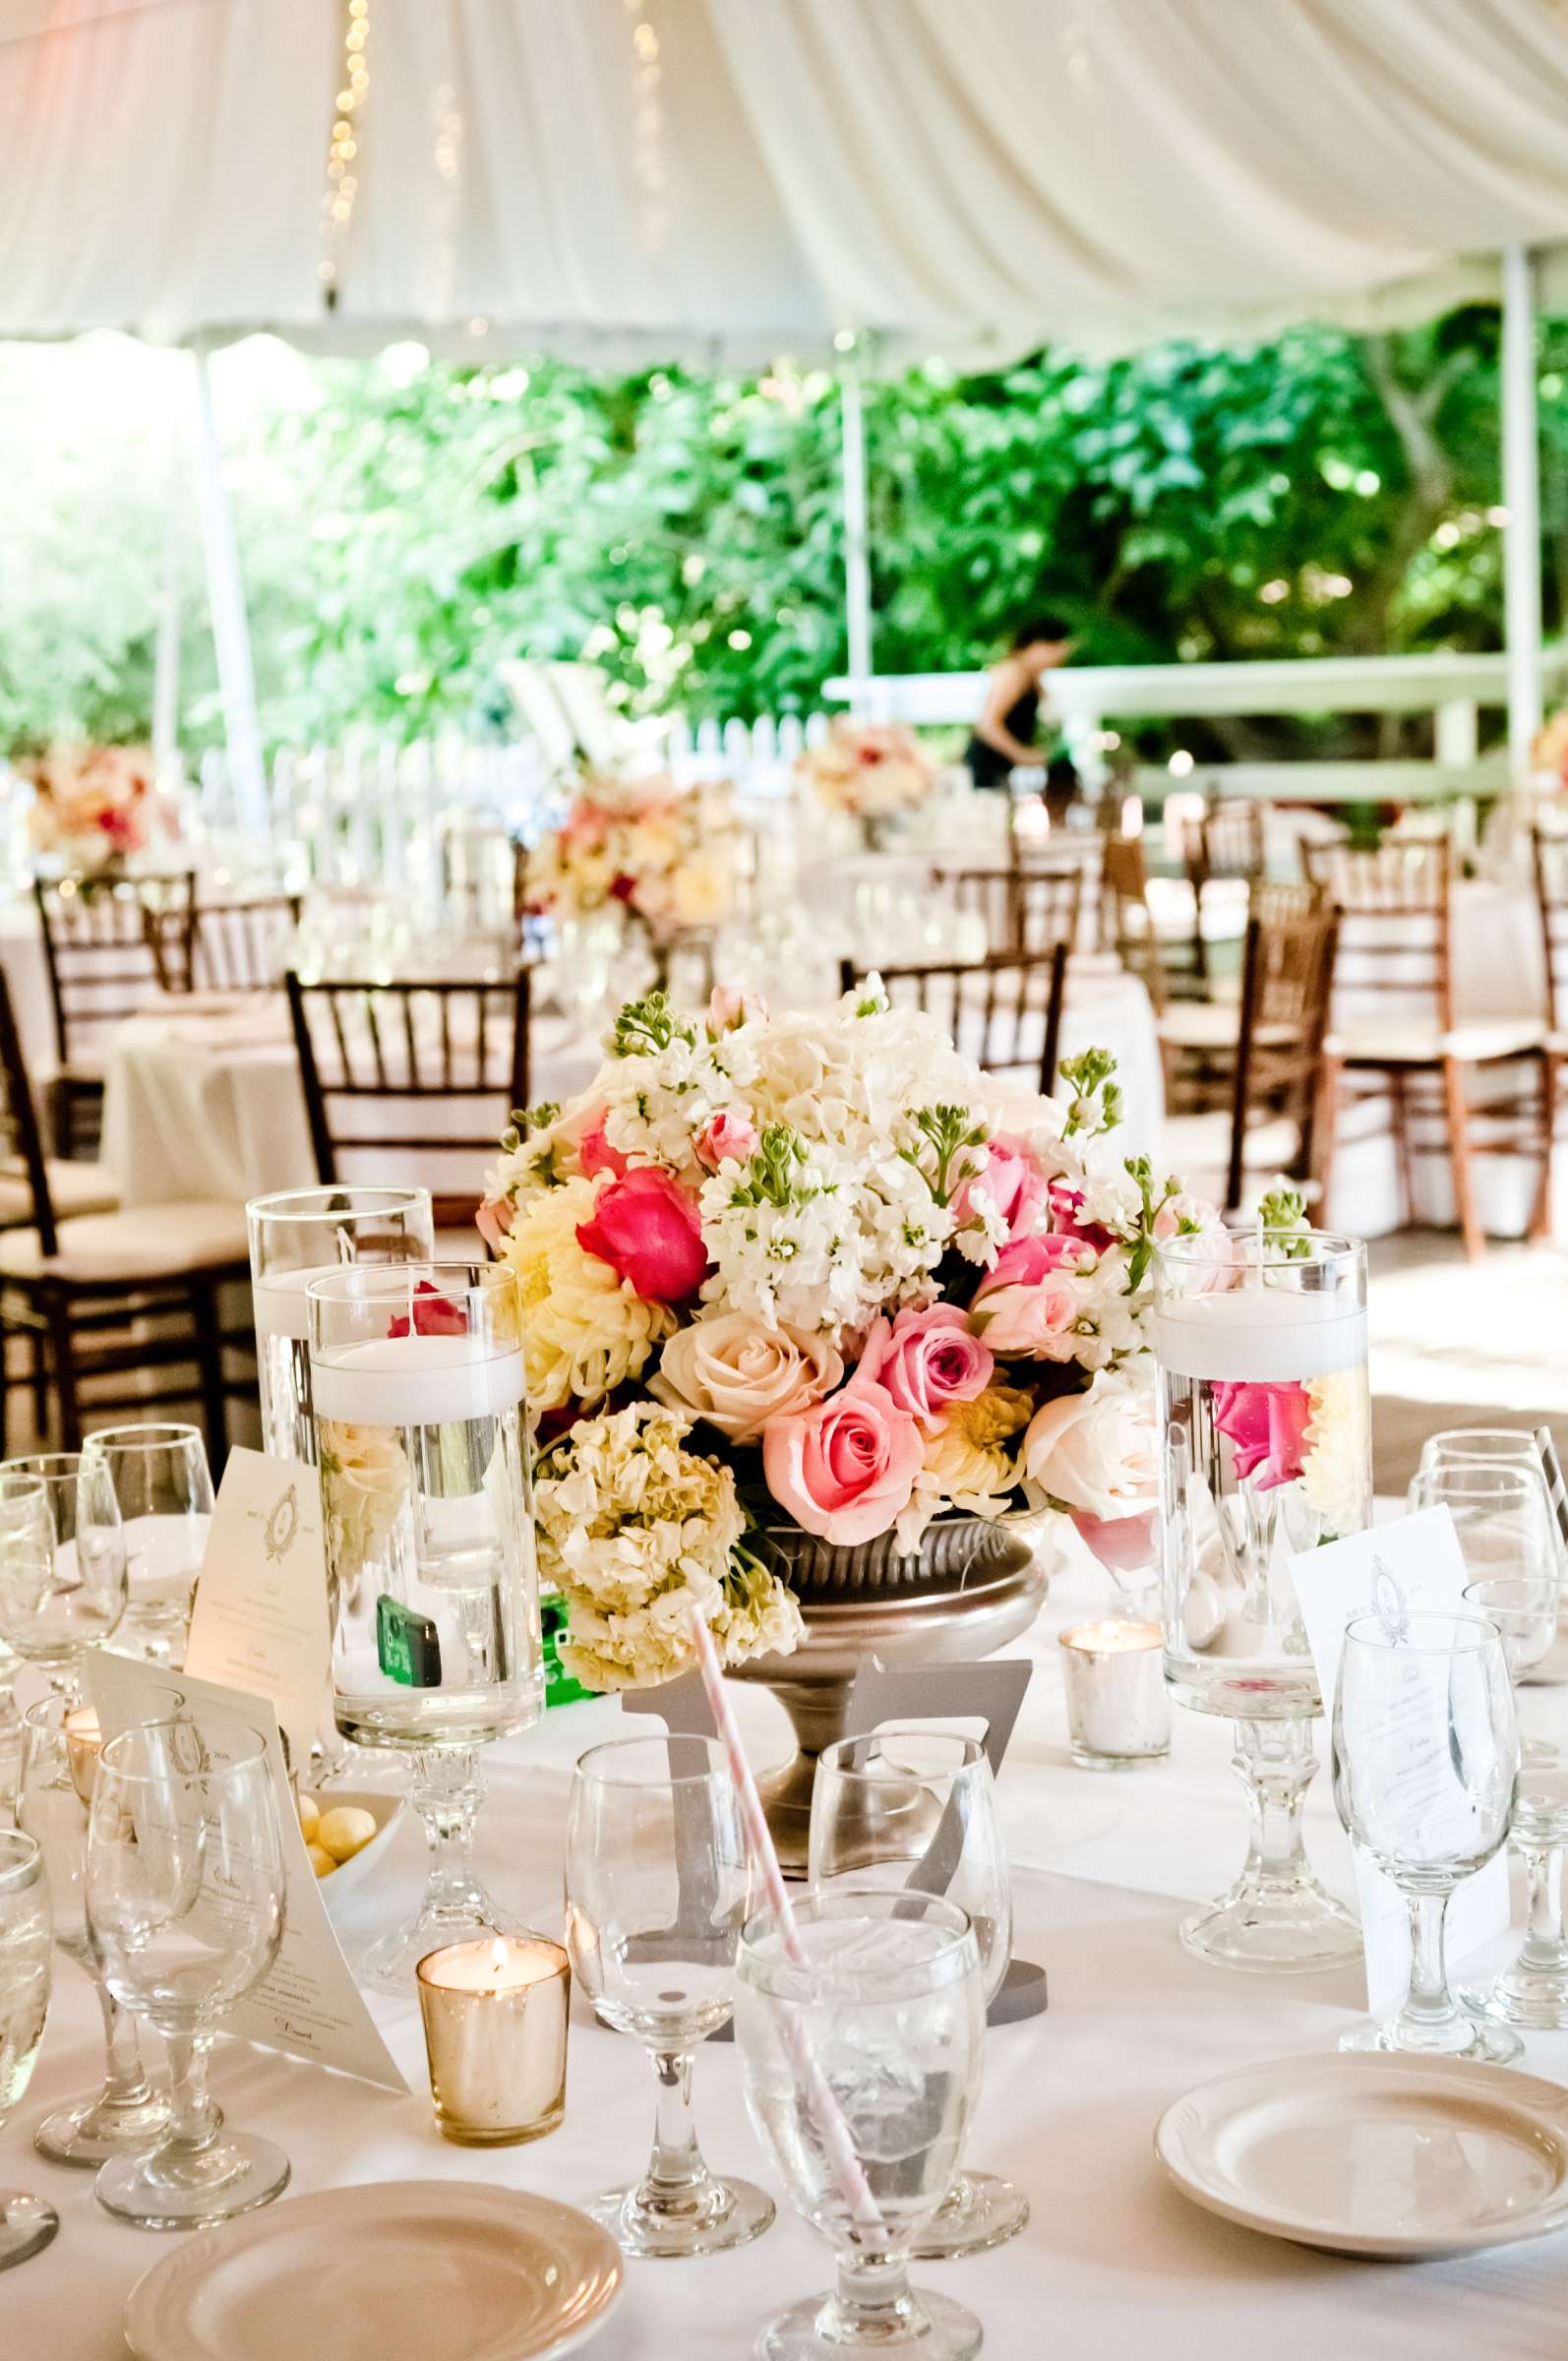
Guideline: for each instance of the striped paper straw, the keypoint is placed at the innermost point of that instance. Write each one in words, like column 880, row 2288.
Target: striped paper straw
column 1557, row 1490
column 820, row 2101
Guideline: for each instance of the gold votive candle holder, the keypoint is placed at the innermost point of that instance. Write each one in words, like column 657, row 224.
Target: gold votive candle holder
column 1119, row 1708
column 494, row 2012
column 83, row 1742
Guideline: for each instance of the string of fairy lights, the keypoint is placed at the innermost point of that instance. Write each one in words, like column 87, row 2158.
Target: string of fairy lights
column 342, row 177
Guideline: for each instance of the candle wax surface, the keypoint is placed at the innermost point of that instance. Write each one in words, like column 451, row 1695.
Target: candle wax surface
column 1260, row 1335
column 493, row 1964
column 1113, row 1639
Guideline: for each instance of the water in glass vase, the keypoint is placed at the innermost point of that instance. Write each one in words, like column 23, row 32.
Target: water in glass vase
column 1266, row 1419
column 425, row 1490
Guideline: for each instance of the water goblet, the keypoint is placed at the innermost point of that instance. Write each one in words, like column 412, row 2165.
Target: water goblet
column 59, row 1756
column 1426, row 1749
column 876, row 2000
column 1532, row 1991
column 27, row 2223
column 913, row 1810
column 163, row 1485
column 418, row 1394
column 657, row 1887
column 185, row 1893
column 62, row 1563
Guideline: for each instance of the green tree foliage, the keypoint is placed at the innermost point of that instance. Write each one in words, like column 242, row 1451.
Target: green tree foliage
column 411, row 526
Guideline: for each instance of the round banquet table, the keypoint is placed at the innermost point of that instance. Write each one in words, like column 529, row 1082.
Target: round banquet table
column 1113, row 2262
column 208, row 1103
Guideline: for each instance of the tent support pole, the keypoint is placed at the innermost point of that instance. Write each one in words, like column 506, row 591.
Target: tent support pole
column 1522, row 499
column 231, row 634
column 857, row 559
column 166, row 655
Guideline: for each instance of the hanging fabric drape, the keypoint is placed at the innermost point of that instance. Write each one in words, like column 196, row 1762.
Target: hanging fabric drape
column 631, row 180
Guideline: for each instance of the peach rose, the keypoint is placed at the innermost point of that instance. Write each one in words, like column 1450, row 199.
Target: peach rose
column 737, row 1375
column 845, row 1468
column 1031, row 1299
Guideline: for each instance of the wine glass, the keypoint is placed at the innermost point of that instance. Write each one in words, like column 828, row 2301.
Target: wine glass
column 1456, row 1449
column 656, row 1887
column 913, row 1810
column 1425, row 1752
column 185, row 1908
column 163, row 1485
column 861, row 2030
column 27, row 2223
column 1532, row 1991
column 62, row 1562
column 59, row 1756
column 417, row 1391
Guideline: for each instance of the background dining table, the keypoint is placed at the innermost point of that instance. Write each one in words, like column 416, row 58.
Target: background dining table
column 1113, row 2266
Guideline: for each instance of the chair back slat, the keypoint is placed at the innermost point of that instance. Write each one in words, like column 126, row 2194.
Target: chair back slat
column 1552, row 898
column 1394, row 917
column 243, row 945
column 19, row 1121
column 1003, row 1010
column 1228, row 841
column 112, row 946
column 388, row 1067
column 1287, row 985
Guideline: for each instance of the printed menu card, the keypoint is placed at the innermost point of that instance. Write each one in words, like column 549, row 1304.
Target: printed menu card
column 1418, row 1561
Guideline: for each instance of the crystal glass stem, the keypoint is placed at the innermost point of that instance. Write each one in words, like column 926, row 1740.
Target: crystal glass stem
column 1277, row 1916
column 1275, row 1763
column 446, row 1789
column 677, row 2185
column 125, row 2082
column 1431, row 2017
column 1544, row 1951
column 872, row 2305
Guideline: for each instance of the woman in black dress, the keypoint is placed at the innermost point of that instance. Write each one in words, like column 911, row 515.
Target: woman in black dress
column 1004, row 734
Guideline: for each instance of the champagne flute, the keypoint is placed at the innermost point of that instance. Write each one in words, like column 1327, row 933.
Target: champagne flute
column 62, row 1563
column 27, row 2223
column 163, row 1486
column 877, row 1997
column 657, row 1885
column 1425, row 1752
column 913, row 1810
column 185, row 1907
column 59, row 1756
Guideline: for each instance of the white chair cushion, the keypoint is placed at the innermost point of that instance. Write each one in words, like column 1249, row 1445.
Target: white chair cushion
column 155, row 1242
column 1407, row 1041
column 73, row 1188
column 1197, row 1147
column 1213, row 1025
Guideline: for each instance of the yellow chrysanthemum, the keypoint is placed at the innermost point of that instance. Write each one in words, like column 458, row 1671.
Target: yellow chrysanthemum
column 584, row 1330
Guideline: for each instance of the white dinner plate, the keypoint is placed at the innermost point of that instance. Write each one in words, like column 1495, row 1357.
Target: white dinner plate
column 1404, row 2160
column 397, row 2271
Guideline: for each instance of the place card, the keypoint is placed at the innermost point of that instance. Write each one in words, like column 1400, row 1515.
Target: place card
column 308, row 2003
column 259, row 1618
column 1417, row 1558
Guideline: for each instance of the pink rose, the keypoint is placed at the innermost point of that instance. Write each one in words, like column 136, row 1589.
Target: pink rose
column 594, row 1152
column 729, row 1008
column 1265, row 1425
column 646, row 1228
column 927, row 1362
column 1066, row 1206
column 1031, row 1298
column 1013, row 1183
column 845, row 1468
column 1122, row 1544
column 492, row 1221
column 727, row 1139
column 431, row 1314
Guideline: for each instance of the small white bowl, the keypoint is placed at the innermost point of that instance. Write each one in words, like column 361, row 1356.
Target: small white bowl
column 384, row 1809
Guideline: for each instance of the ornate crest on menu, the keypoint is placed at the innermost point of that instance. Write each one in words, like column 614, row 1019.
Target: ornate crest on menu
column 281, row 1526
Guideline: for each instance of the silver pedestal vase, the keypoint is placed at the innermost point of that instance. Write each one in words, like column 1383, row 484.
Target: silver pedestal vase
column 975, row 1584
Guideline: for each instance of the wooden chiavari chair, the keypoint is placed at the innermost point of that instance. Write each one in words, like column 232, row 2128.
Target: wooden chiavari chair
column 391, row 1070
column 1004, row 1011
column 104, row 1296
column 1024, row 908
column 1126, row 923
column 1550, row 862
column 108, row 946
column 1393, row 1033
column 1271, row 1123
column 244, row 946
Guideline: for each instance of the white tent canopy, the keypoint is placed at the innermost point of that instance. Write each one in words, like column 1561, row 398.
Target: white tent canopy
column 632, row 180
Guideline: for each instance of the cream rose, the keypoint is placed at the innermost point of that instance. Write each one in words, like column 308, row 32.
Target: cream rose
column 1095, row 1452
column 737, row 1375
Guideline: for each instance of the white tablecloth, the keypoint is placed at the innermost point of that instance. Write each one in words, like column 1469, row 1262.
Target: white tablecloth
column 1113, row 2266
column 27, row 975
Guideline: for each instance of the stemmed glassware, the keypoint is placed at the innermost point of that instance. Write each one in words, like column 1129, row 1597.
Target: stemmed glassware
column 27, row 2223
column 298, row 1235
column 185, row 1891
column 657, row 1886
column 62, row 1563
column 1532, row 1992
column 59, row 1756
column 913, row 1810
column 885, row 2010
column 417, row 1390
column 1265, row 1438
column 162, row 1480
column 1425, row 1754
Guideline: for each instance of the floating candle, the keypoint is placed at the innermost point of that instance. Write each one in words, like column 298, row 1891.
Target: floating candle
column 1259, row 1335
column 416, row 1381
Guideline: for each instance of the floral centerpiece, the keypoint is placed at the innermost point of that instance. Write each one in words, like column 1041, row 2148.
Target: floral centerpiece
column 664, row 855
column 875, row 772
column 815, row 1272
column 94, row 804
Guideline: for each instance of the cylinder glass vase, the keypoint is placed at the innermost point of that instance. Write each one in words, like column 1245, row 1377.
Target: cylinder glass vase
column 1265, row 1434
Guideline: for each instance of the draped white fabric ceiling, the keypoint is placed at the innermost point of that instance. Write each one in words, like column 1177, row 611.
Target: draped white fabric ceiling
column 632, row 180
